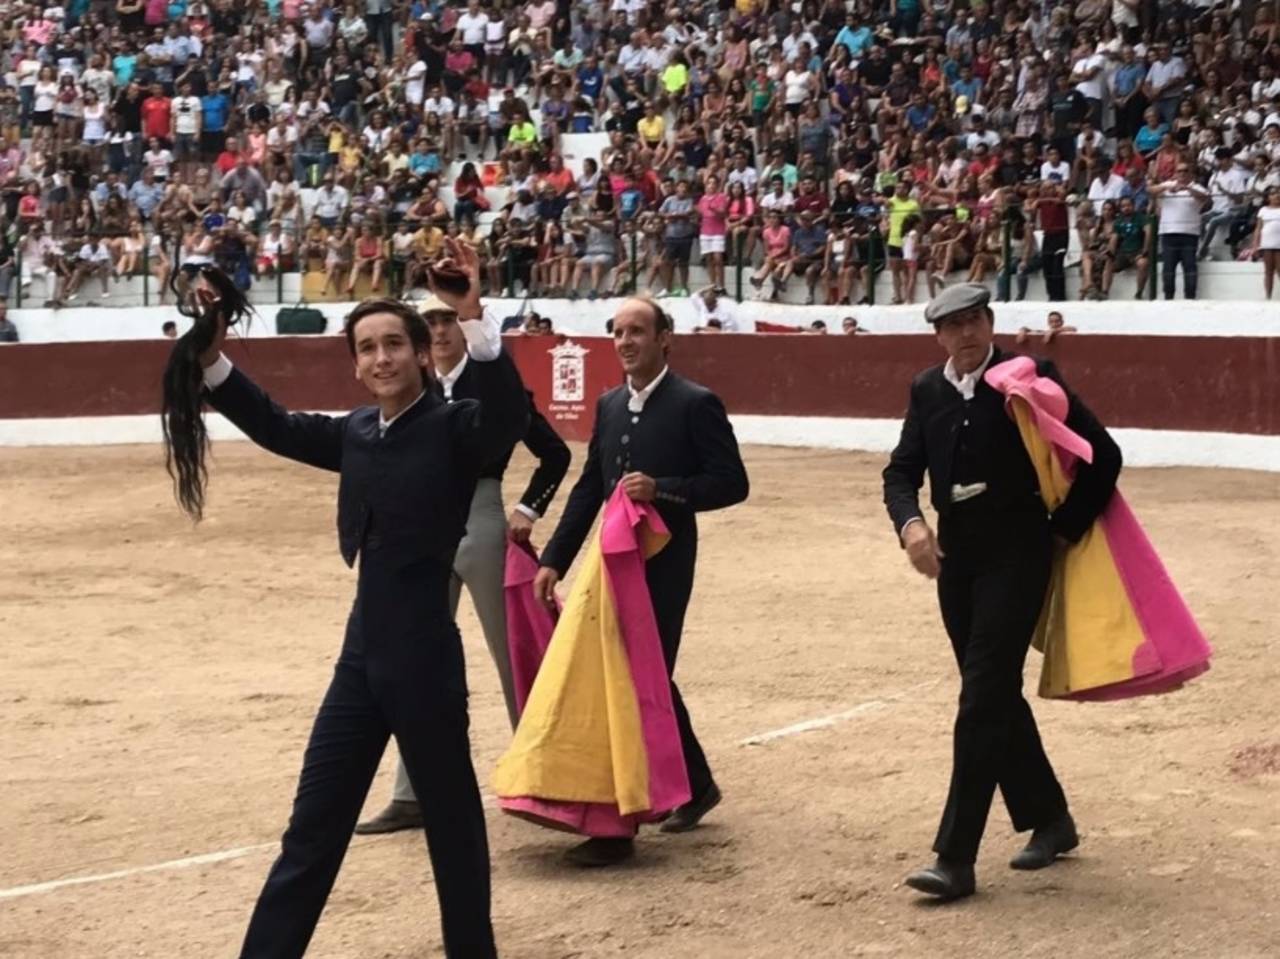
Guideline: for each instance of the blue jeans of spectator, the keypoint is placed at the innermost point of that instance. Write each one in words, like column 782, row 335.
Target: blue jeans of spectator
column 906, row 22
column 1167, row 107
column 1179, row 248
column 304, row 161
column 6, row 278
column 349, row 114
column 518, row 68
column 465, row 211
column 1213, row 221
column 1016, row 267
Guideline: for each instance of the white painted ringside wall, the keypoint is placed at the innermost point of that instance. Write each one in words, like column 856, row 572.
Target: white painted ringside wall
column 1141, row 447
column 587, row 318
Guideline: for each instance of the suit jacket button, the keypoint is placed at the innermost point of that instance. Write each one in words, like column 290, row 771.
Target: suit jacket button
column 625, row 439
column 635, row 419
column 618, row 460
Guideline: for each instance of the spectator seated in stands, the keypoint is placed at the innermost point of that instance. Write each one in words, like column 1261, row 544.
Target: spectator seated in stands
column 339, row 125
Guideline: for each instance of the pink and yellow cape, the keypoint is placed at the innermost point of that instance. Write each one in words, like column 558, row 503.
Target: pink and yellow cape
column 1113, row 624
column 597, row 750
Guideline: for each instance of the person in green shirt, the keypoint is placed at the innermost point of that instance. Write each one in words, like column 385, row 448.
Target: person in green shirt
column 1131, row 239
column 761, row 89
column 675, row 78
column 778, row 166
column 523, row 134
column 900, row 206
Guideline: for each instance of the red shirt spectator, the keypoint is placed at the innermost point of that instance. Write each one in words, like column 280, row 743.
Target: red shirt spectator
column 814, row 202
column 156, row 111
column 1054, row 217
column 562, row 179
column 227, row 160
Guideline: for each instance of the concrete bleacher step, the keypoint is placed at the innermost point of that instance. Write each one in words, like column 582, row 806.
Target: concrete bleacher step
column 1219, row 279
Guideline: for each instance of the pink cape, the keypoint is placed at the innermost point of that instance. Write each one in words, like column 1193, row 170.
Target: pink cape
column 530, row 627
column 1173, row 649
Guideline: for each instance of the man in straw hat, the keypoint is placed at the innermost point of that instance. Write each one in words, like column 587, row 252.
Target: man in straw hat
column 991, row 559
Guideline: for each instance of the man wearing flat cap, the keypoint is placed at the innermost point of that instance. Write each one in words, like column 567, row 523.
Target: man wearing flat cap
column 991, row 559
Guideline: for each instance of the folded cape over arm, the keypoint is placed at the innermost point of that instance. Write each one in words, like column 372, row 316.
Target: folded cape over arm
column 597, row 750
column 1113, row 624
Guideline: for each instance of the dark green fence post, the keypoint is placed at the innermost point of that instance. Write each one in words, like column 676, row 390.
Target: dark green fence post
column 873, row 247
column 738, row 240
column 146, row 274
column 1153, row 265
column 511, row 273
column 635, row 283
column 1007, row 267
column 17, row 259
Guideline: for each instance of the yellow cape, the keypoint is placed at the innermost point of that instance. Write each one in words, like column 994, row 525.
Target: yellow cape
column 580, row 738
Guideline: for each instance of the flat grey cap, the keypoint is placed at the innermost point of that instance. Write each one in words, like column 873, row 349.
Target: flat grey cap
column 962, row 296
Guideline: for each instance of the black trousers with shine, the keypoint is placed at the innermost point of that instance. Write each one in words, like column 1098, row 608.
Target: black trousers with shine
column 991, row 589
column 385, row 685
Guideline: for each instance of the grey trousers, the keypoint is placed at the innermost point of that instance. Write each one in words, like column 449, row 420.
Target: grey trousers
column 480, row 566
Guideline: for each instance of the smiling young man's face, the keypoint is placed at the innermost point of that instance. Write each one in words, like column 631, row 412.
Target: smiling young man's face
column 387, row 362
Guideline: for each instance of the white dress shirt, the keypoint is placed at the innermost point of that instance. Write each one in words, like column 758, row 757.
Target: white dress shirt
column 638, row 398
column 967, row 383
column 447, row 380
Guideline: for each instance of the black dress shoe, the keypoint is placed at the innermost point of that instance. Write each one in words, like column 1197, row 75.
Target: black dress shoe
column 1047, row 844
column 690, row 814
column 399, row 814
column 944, row 880
column 601, row 852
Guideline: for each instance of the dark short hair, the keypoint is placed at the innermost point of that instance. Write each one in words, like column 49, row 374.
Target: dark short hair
column 661, row 319
column 414, row 325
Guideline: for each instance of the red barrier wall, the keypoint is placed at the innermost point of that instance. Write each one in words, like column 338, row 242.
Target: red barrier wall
column 1228, row 384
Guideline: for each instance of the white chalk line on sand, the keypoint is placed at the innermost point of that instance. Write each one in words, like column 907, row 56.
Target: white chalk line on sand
column 225, row 855
column 826, row 722
column 202, row 860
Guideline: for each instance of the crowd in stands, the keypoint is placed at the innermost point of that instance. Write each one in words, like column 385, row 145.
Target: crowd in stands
column 817, row 142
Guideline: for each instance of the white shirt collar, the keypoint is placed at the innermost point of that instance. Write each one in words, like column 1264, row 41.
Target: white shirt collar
column 967, row 384
column 638, row 398
column 448, row 379
column 384, row 424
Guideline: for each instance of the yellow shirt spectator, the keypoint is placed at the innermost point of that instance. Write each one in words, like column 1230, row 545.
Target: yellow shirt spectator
column 675, row 78
column 523, row 134
column 899, row 209
column 652, row 129
column 392, row 162
column 350, row 157
column 428, row 242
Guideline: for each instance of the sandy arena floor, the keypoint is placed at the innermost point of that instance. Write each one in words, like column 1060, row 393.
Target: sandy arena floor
column 157, row 683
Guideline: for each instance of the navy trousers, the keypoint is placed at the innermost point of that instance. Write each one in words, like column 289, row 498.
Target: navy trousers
column 390, row 685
